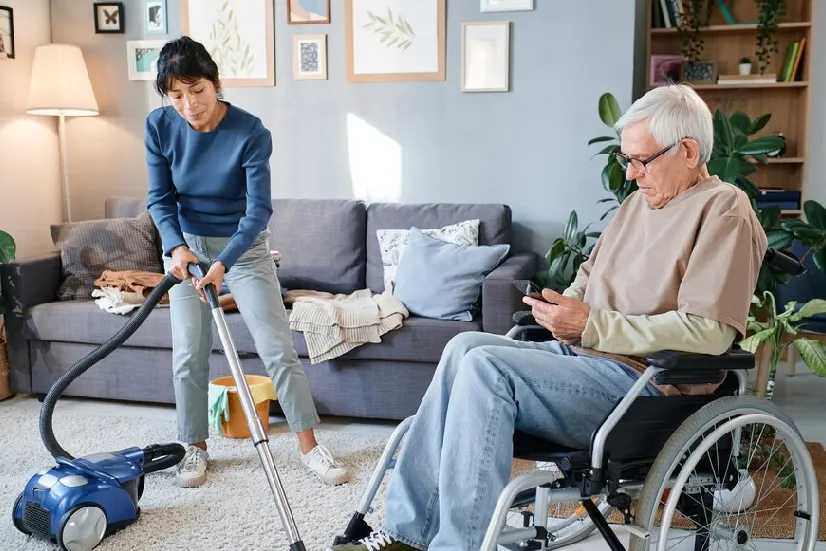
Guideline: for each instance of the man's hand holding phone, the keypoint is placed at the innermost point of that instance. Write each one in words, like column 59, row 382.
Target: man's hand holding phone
column 565, row 317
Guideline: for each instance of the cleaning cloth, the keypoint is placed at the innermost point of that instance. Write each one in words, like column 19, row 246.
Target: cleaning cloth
column 218, row 398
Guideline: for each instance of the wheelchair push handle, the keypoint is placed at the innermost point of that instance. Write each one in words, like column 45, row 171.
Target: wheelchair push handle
column 199, row 271
column 783, row 262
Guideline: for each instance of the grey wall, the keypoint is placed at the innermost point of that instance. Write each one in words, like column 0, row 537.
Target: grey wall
column 527, row 148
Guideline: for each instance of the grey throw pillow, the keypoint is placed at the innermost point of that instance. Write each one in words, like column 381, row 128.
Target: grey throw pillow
column 88, row 248
column 441, row 280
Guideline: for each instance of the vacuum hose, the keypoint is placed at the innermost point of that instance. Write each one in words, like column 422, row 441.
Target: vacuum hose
column 158, row 456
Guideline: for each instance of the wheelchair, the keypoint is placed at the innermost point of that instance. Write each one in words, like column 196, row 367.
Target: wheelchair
column 678, row 472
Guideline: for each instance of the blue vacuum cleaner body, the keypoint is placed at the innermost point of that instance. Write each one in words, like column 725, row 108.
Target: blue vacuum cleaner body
column 78, row 502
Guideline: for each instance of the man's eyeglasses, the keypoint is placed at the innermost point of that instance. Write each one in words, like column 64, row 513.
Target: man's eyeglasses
column 639, row 164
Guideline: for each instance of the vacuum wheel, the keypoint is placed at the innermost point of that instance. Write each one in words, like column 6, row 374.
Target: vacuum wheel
column 15, row 520
column 83, row 529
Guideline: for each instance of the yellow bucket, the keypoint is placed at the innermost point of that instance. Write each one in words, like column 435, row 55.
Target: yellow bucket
column 262, row 391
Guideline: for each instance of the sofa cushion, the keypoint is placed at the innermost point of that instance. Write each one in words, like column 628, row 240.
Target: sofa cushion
column 420, row 339
column 321, row 242
column 494, row 226
column 129, row 207
column 90, row 247
column 443, row 280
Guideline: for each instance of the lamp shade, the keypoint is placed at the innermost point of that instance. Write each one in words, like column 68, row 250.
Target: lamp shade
column 60, row 83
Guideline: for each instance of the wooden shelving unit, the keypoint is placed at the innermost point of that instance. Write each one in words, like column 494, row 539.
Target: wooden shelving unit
column 788, row 102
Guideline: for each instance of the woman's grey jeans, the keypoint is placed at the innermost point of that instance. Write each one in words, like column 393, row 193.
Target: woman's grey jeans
column 255, row 289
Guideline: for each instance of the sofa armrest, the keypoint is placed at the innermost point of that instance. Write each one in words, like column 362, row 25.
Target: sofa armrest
column 500, row 299
column 26, row 283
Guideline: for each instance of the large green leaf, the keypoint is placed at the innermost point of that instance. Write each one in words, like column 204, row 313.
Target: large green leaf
column 600, row 139
column 752, row 343
column 557, row 248
column 812, row 308
column 815, row 214
column 758, row 124
column 612, row 176
column 740, row 121
column 570, row 227
column 608, row 149
column 609, row 109
column 761, row 145
column 726, row 168
column 724, row 130
column 7, row 248
column 779, row 239
column 769, row 217
column 813, row 355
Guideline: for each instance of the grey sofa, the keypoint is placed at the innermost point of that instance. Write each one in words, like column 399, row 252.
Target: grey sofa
column 327, row 245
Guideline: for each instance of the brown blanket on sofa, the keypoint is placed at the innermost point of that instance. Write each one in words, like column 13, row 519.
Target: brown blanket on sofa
column 143, row 283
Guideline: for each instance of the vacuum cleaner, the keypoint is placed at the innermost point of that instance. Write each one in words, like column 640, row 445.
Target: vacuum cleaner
column 78, row 502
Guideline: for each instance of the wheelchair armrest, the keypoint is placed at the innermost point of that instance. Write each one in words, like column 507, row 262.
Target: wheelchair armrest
column 686, row 368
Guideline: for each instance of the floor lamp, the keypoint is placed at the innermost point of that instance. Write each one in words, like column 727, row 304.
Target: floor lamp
column 60, row 87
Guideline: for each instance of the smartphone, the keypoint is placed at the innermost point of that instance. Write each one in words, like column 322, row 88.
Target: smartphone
column 529, row 288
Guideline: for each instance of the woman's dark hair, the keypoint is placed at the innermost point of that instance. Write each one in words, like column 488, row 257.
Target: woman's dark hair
column 186, row 60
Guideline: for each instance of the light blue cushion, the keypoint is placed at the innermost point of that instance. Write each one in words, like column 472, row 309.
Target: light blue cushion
column 440, row 280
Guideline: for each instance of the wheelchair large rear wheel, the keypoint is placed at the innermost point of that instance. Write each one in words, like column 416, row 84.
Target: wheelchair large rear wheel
column 735, row 475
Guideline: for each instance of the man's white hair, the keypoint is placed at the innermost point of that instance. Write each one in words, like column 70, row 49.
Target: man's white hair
column 673, row 112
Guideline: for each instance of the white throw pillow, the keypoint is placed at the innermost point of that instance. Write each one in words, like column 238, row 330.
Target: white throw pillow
column 392, row 243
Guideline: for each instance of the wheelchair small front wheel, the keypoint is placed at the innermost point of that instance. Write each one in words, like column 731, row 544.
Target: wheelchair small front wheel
column 736, row 472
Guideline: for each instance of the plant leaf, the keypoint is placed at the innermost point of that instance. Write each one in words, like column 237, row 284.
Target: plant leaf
column 769, row 217
column 813, row 355
column 600, row 139
column 761, row 145
column 758, row 124
column 819, row 258
column 8, row 248
column 726, row 168
column 815, row 214
column 812, row 308
column 556, row 249
column 779, row 239
column 740, row 122
column 570, row 227
column 752, row 343
column 609, row 110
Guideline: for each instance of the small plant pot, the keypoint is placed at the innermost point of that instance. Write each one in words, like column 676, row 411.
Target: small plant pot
column 745, row 68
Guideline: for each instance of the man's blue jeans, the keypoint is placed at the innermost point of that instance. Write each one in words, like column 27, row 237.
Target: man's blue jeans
column 457, row 454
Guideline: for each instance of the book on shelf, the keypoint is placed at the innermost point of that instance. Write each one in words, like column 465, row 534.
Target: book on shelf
column 785, row 199
column 738, row 80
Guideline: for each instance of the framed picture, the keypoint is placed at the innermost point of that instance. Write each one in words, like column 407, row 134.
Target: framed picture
column 486, row 56
column 699, row 72
column 142, row 58
column 395, row 40
column 506, row 5
column 310, row 57
column 108, row 17
column 304, row 12
column 239, row 36
column 6, row 33
column 154, row 16
column 665, row 68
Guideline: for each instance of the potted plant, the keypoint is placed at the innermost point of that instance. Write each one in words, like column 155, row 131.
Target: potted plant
column 769, row 14
column 776, row 331
column 7, row 252
column 745, row 66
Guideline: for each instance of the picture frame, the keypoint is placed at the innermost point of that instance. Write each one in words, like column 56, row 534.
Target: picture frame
column 379, row 50
column 142, row 58
column 310, row 57
column 6, row 33
column 699, row 72
column 308, row 12
column 485, row 56
column 109, row 17
column 664, row 68
column 505, row 5
column 155, row 17
column 238, row 34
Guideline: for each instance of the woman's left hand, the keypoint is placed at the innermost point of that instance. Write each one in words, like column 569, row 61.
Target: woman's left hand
column 215, row 275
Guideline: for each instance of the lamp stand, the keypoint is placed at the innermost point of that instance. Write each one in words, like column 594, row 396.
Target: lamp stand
column 64, row 166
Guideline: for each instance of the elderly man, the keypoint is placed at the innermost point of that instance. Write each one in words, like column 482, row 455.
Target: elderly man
column 675, row 269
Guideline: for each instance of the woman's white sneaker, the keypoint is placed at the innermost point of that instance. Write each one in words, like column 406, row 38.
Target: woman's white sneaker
column 324, row 465
column 191, row 471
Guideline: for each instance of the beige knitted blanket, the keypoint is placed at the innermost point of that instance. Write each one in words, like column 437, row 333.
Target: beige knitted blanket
column 335, row 324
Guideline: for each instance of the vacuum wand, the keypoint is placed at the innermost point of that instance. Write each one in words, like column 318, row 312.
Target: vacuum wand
column 256, row 428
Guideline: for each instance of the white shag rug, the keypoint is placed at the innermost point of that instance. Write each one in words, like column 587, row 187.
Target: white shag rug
column 234, row 510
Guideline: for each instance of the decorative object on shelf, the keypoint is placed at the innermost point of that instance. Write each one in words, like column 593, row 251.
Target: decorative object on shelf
column 745, row 66
column 310, row 57
column 142, row 58
column 308, row 12
column 699, row 72
column 505, row 5
column 6, row 32
column 154, row 17
column 74, row 97
column 485, row 56
column 108, row 17
column 694, row 16
column 664, row 68
column 239, row 36
column 395, row 40
column 778, row 152
column 769, row 14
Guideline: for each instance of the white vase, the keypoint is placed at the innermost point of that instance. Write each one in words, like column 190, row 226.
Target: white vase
column 745, row 68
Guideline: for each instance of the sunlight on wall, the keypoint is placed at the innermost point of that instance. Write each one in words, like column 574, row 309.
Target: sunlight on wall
column 375, row 162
